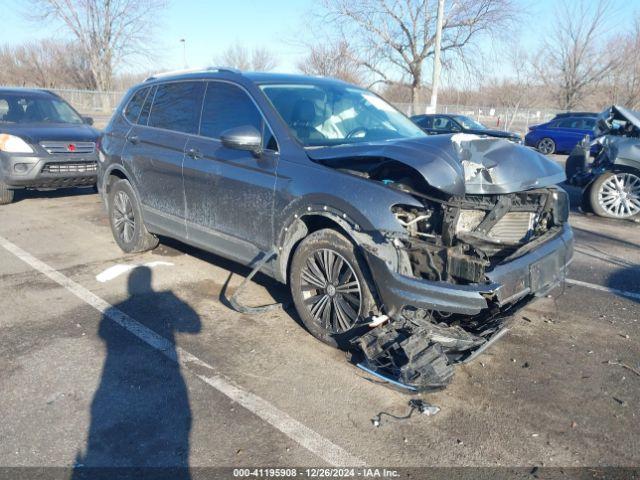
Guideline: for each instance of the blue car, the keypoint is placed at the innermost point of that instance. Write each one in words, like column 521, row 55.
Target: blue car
column 561, row 134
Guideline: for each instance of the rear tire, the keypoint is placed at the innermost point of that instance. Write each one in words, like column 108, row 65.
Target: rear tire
column 546, row 146
column 330, row 287
column 125, row 218
column 6, row 194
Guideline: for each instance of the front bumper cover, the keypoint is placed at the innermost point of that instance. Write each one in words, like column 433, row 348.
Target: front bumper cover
column 418, row 354
column 534, row 273
column 28, row 171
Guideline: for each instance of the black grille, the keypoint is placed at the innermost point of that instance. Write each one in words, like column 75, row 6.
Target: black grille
column 70, row 167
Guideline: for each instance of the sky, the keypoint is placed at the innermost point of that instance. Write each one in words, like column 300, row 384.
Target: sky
column 209, row 27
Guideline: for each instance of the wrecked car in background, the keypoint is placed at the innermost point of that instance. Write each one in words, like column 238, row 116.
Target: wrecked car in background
column 410, row 251
column 608, row 168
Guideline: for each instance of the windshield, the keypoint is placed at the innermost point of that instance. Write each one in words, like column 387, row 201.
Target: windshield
column 326, row 115
column 24, row 109
column 469, row 123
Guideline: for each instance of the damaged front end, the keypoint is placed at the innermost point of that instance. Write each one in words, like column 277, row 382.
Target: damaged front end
column 466, row 258
column 460, row 242
column 616, row 147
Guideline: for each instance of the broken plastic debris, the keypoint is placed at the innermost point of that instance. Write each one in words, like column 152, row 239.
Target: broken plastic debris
column 428, row 409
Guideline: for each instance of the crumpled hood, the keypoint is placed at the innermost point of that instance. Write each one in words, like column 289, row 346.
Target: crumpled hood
column 460, row 163
column 604, row 124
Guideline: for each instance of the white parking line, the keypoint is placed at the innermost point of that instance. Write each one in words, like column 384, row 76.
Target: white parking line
column 120, row 269
column 623, row 293
column 306, row 437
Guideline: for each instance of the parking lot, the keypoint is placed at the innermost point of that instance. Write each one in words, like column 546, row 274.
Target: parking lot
column 114, row 359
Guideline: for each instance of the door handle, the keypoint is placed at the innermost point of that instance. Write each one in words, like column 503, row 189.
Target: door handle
column 194, row 153
column 133, row 139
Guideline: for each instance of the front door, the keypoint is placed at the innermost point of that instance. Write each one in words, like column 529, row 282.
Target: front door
column 229, row 193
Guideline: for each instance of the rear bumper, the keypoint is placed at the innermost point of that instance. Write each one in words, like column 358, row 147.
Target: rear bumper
column 32, row 171
column 533, row 274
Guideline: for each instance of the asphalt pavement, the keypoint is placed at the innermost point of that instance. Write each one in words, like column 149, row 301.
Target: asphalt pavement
column 110, row 359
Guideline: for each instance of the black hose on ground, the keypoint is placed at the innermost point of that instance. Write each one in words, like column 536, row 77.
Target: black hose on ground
column 235, row 303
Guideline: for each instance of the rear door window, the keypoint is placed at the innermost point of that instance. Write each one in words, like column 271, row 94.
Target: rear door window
column 568, row 123
column 176, row 106
column 227, row 106
column 588, row 123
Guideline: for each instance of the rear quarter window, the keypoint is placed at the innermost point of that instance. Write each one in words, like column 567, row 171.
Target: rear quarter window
column 134, row 107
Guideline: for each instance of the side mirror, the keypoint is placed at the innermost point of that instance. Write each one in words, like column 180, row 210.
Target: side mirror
column 242, row 138
column 87, row 120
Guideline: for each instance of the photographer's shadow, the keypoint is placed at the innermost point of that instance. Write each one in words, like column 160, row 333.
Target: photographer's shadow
column 140, row 414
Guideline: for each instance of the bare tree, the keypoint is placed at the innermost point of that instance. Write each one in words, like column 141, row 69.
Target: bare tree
column 575, row 58
column 332, row 60
column 625, row 78
column 398, row 36
column 109, row 32
column 516, row 91
column 240, row 57
column 45, row 63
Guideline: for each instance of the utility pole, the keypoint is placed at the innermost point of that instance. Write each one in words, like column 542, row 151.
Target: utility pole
column 436, row 60
column 184, row 52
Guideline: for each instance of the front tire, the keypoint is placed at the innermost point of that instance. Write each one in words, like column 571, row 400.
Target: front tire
column 546, row 146
column 330, row 288
column 6, row 194
column 125, row 217
column 616, row 195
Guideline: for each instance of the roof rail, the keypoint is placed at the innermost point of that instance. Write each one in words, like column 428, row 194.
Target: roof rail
column 192, row 70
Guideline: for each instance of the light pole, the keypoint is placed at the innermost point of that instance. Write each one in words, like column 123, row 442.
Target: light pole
column 184, row 52
column 436, row 60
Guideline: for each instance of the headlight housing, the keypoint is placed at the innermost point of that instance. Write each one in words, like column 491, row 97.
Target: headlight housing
column 13, row 144
column 561, row 205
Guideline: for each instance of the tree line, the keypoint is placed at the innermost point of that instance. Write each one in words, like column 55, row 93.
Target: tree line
column 587, row 60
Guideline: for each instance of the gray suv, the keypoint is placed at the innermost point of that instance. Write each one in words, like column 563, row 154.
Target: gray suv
column 409, row 250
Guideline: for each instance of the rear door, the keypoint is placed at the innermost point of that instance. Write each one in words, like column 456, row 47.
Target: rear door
column 569, row 133
column 155, row 151
column 229, row 193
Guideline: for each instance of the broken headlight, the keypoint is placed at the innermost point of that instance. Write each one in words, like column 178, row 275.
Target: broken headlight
column 417, row 222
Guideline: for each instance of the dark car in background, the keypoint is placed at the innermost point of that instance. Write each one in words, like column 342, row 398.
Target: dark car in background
column 561, row 134
column 610, row 178
column 444, row 123
column 407, row 249
column 44, row 143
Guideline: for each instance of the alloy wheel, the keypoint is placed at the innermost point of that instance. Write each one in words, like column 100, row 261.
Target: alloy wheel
column 123, row 217
column 331, row 290
column 619, row 195
column 546, row 146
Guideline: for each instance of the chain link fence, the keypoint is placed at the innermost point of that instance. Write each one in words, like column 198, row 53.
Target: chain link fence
column 100, row 106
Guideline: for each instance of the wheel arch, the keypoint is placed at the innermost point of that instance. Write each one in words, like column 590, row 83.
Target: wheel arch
column 302, row 226
column 112, row 174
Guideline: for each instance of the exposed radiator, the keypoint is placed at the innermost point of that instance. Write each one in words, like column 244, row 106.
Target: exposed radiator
column 513, row 227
